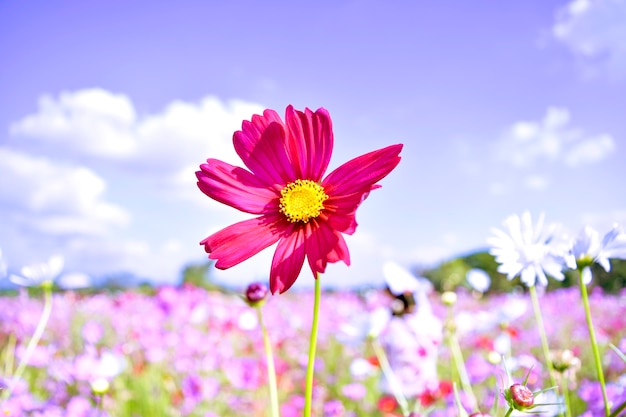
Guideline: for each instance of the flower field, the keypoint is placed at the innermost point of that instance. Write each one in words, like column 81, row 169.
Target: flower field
column 184, row 351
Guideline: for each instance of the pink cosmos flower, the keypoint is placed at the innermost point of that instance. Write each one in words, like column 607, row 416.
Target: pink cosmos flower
column 305, row 213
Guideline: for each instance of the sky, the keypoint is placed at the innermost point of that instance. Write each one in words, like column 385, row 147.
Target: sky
column 108, row 108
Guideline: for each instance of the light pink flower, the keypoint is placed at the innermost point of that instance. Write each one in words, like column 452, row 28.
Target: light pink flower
column 296, row 207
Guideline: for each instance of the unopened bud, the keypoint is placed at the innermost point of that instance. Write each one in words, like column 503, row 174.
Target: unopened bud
column 100, row 386
column 256, row 293
column 494, row 357
column 521, row 397
column 448, row 298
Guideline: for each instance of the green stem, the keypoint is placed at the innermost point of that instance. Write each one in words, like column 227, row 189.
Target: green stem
column 391, row 377
column 32, row 344
column 308, row 393
column 271, row 370
column 509, row 411
column 459, row 362
column 566, row 394
column 542, row 334
column 594, row 343
column 99, row 407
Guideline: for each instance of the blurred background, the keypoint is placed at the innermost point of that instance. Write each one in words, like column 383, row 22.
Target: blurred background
column 108, row 107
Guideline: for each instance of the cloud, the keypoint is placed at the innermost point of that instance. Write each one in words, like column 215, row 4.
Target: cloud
column 553, row 139
column 96, row 142
column 536, row 182
column 102, row 125
column 590, row 150
column 603, row 220
column 85, row 122
column 54, row 199
column 594, row 30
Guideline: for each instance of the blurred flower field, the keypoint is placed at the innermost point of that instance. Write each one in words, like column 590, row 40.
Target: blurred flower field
column 185, row 351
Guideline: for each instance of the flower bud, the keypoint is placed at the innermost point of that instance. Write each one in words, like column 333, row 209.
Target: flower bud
column 494, row 357
column 562, row 360
column 520, row 397
column 449, row 298
column 100, row 386
column 256, row 293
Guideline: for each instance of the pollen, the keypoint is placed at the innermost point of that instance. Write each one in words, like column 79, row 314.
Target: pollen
column 302, row 200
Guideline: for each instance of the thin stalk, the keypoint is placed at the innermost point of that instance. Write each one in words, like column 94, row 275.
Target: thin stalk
column 391, row 377
column 271, row 370
column 594, row 343
column 542, row 333
column 308, row 393
column 9, row 355
column 459, row 362
column 566, row 394
column 32, row 344
column 99, row 407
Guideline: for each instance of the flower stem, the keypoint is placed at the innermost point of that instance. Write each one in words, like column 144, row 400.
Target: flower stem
column 99, row 408
column 542, row 334
column 457, row 357
column 391, row 377
column 271, row 370
column 566, row 394
column 308, row 393
column 32, row 344
column 594, row 343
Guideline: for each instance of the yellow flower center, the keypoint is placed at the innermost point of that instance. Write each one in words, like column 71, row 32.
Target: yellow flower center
column 302, row 200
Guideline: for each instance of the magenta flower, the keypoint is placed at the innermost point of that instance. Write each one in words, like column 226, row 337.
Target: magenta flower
column 283, row 185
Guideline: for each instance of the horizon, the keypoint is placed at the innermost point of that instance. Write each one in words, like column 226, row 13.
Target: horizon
column 110, row 108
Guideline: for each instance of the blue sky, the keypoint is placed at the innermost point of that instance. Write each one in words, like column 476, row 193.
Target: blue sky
column 108, row 108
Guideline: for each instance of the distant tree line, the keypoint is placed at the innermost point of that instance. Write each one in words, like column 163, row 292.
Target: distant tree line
column 451, row 274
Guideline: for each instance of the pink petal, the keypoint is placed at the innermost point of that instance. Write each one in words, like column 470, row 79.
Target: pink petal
column 287, row 262
column 310, row 141
column 236, row 187
column 324, row 245
column 240, row 241
column 261, row 145
column 360, row 174
column 340, row 211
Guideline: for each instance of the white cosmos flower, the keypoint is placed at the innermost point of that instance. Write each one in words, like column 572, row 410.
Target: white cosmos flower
column 588, row 249
column 40, row 274
column 527, row 251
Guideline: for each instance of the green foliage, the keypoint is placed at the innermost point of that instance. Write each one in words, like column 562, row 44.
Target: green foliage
column 199, row 276
column 451, row 274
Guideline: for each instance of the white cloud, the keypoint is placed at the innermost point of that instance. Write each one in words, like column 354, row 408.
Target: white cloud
column 536, row 182
column 553, row 139
column 603, row 221
column 95, row 141
column 590, row 150
column 497, row 188
column 85, row 122
column 55, row 199
column 103, row 125
column 594, row 30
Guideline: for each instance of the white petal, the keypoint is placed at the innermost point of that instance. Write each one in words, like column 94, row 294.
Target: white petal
column 587, row 275
column 21, row 281
column 528, row 276
column 587, row 243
